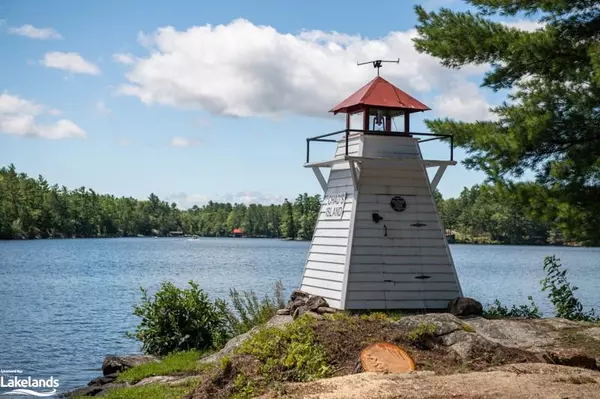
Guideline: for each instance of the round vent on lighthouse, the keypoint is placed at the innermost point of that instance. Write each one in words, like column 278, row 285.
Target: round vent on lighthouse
column 398, row 204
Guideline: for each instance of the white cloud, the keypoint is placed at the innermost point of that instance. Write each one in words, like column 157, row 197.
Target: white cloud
column 241, row 69
column 124, row 58
column 71, row 62
column 464, row 102
column 525, row 24
column 35, row 33
column 102, row 108
column 19, row 117
column 186, row 201
column 54, row 111
column 183, row 142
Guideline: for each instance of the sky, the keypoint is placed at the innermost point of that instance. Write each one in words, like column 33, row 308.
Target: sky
column 198, row 101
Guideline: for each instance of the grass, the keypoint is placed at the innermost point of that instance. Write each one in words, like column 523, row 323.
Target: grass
column 179, row 363
column 162, row 391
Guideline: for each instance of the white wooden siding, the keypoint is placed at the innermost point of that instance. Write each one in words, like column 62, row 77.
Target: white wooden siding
column 352, row 263
column 325, row 263
column 383, row 268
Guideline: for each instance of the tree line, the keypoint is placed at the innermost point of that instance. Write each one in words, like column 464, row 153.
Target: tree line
column 32, row 208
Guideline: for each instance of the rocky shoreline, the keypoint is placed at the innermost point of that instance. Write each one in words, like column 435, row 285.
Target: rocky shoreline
column 465, row 344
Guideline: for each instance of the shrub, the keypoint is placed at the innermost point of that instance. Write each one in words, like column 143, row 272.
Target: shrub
column 498, row 311
column 180, row 319
column 561, row 293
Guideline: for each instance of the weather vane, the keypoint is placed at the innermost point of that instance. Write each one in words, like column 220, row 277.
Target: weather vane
column 377, row 63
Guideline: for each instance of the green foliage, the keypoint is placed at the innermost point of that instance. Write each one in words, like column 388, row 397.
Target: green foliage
column 162, row 391
column 291, row 353
column 177, row 319
column 32, row 208
column 422, row 334
column 173, row 364
column 498, row 311
column 561, row 293
column 251, row 311
column 381, row 316
column 550, row 124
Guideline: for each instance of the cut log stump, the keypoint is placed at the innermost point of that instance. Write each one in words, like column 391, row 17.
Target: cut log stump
column 384, row 357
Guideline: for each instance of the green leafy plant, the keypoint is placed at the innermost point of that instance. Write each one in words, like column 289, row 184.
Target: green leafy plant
column 561, row 293
column 498, row 311
column 177, row 319
column 423, row 335
column 291, row 353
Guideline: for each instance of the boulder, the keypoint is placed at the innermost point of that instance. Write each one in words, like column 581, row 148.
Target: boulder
column 283, row 312
column 315, row 302
column 445, row 323
column 463, row 306
column 235, row 342
column 115, row 364
column 298, row 294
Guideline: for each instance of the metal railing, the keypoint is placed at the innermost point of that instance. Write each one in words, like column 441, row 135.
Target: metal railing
column 346, row 132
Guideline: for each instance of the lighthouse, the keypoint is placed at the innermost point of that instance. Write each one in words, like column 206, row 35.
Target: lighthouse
column 379, row 243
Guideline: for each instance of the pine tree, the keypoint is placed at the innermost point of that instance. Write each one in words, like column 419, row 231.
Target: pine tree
column 551, row 123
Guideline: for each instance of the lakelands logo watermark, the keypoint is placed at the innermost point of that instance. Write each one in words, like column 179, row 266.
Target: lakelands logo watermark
column 18, row 384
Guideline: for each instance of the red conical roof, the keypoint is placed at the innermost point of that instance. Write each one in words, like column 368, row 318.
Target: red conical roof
column 380, row 93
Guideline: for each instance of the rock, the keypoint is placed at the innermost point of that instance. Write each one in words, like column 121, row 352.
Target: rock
column 103, row 380
column 315, row 302
column 298, row 294
column 234, row 343
column 114, row 364
column 535, row 334
column 522, row 381
column 325, row 309
column 445, row 323
column 283, row 312
column 593, row 333
column 573, row 358
column 463, row 306
column 297, row 303
column 300, row 311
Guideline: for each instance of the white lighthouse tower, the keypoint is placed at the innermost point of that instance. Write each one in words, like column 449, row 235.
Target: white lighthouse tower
column 378, row 241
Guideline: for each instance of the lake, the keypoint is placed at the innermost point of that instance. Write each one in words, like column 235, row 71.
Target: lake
column 65, row 304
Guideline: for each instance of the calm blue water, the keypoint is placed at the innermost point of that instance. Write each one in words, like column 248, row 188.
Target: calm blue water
column 65, row 304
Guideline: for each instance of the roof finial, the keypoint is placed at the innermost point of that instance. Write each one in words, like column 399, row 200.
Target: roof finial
column 377, row 63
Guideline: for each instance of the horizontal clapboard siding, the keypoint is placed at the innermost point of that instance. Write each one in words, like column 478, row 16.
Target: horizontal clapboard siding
column 324, row 271
column 378, row 269
column 383, row 267
column 412, row 242
column 390, row 304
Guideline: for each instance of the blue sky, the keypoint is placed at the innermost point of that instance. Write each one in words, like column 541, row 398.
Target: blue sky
column 200, row 100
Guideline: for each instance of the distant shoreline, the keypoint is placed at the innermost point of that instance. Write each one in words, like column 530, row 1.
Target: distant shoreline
column 289, row 239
